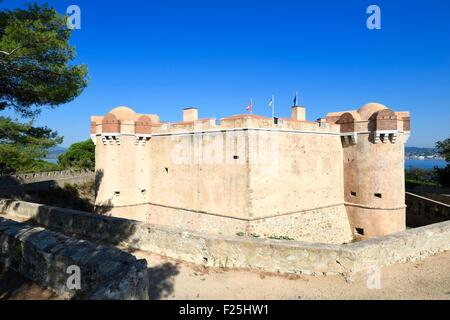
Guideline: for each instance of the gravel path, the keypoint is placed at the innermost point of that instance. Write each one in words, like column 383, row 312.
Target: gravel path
column 426, row 279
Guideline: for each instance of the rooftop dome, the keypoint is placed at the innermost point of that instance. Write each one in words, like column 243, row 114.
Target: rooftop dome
column 124, row 113
column 369, row 109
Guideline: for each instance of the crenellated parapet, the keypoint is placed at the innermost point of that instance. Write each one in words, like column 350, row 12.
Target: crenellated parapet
column 382, row 124
column 123, row 121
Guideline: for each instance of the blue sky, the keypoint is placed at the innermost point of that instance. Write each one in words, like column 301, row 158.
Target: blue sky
column 162, row 56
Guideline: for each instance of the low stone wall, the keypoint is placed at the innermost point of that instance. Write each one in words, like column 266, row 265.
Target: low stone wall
column 241, row 252
column 427, row 189
column 54, row 175
column 45, row 180
column 44, row 257
column 423, row 211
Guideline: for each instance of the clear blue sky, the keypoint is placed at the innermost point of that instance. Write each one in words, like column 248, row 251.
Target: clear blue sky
column 161, row 56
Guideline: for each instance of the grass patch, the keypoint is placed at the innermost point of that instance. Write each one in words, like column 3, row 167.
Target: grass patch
column 280, row 238
column 414, row 183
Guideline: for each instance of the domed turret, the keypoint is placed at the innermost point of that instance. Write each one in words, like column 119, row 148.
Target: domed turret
column 367, row 110
column 124, row 114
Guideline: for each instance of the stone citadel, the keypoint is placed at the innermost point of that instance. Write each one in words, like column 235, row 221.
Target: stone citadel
column 331, row 180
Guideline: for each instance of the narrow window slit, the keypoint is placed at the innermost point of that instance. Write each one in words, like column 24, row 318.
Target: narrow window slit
column 359, row 231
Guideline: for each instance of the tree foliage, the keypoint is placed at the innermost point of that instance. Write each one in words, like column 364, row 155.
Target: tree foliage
column 80, row 155
column 443, row 148
column 34, row 61
column 22, row 145
column 35, row 71
column 443, row 174
column 425, row 176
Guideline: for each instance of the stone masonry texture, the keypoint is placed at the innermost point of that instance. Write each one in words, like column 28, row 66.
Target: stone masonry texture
column 44, row 256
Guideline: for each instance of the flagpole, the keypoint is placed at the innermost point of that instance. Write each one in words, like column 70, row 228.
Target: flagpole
column 273, row 107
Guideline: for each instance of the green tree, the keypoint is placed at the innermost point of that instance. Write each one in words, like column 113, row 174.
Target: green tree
column 443, row 148
column 34, row 61
column 35, row 72
column 21, row 145
column 80, row 155
column 420, row 176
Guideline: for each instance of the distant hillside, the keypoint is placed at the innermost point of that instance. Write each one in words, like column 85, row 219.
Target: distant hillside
column 420, row 150
column 54, row 152
column 420, row 153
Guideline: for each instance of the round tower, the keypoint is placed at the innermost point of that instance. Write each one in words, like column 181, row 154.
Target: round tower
column 373, row 140
column 121, row 163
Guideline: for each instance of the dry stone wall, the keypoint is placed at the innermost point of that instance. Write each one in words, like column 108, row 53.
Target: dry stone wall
column 45, row 257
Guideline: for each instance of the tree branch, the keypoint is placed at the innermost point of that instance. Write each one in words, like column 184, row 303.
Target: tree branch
column 9, row 53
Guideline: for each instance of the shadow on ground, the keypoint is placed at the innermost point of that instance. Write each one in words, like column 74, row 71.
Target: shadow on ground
column 100, row 230
column 161, row 279
column 14, row 286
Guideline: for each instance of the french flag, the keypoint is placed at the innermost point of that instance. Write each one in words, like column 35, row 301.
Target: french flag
column 250, row 106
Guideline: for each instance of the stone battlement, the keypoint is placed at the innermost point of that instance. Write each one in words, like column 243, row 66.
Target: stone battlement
column 123, row 121
column 371, row 118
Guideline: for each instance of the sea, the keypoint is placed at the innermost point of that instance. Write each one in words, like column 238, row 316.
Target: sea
column 425, row 164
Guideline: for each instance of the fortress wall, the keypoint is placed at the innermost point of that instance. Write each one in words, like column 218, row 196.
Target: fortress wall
column 296, row 188
column 197, row 221
column 306, row 168
column 226, row 182
column 325, row 225
column 200, row 173
column 133, row 211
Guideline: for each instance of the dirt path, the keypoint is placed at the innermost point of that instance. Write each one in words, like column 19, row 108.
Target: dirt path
column 427, row 279
column 170, row 279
